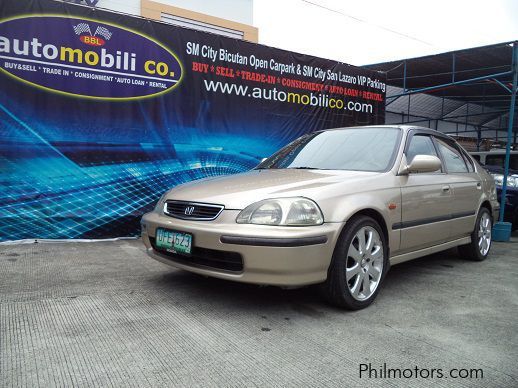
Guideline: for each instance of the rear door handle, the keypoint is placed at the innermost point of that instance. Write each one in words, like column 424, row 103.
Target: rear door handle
column 446, row 189
column 479, row 185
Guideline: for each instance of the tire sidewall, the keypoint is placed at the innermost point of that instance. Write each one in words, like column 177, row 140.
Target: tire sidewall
column 337, row 270
column 474, row 237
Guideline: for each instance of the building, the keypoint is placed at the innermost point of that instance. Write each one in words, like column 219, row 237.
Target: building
column 232, row 18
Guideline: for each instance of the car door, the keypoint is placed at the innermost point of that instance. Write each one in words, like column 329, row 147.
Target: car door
column 426, row 200
column 466, row 187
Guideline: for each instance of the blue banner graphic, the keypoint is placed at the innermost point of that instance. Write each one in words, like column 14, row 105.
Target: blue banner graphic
column 100, row 113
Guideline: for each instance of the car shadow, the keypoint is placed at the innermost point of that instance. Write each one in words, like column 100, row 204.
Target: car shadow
column 306, row 300
column 218, row 289
column 419, row 270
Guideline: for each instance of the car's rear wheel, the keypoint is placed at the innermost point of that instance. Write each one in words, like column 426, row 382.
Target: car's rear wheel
column 478, row 248
column 359, row 265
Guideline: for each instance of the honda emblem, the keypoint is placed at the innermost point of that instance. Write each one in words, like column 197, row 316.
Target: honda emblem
column 189, row 210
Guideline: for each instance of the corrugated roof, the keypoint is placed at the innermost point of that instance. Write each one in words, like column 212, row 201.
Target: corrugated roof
column 482, row 103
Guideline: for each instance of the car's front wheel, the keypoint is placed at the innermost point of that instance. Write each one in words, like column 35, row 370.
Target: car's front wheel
column 359, row 265
column 478, row 248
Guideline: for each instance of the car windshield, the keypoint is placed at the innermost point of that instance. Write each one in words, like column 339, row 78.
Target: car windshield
column 359, row 149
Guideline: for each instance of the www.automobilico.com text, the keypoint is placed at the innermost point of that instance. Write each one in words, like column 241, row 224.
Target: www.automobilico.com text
column 250, row 76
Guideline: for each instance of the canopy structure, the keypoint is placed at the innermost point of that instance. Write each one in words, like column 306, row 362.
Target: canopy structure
column 465, row 93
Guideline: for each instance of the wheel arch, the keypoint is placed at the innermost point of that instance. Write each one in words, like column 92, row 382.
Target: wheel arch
column 333, row 287
column 376, row 216
column 487, row 205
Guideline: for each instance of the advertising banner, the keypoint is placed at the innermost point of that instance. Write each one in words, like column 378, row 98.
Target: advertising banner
column 100, row 113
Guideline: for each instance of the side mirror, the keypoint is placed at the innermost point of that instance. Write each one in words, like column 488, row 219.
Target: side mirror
column 422, row 163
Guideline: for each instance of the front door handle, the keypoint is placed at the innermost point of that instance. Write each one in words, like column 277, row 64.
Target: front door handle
column 446, row 189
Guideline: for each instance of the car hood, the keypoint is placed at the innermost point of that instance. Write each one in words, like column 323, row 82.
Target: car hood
column 240, row 190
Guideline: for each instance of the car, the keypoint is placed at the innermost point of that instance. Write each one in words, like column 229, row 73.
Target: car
column 335, row 208
column 496, row 157
column 511, row 193
column 494, row 161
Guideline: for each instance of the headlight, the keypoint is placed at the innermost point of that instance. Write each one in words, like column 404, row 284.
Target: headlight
column 512, row 180
column 160, row 203
column 282, row 211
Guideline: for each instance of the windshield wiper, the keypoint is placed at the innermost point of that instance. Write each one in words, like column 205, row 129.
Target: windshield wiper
column 304, row 168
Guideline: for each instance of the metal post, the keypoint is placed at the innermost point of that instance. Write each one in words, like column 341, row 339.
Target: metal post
column 404, row 77
column 467, row 114
column 453, row 67
column 499, row 127
column 509, row 130
column 408, row 112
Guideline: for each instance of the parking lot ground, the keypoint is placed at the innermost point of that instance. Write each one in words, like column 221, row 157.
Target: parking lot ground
column 103, row 314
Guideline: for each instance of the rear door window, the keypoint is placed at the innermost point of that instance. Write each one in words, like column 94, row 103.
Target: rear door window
column 452, row 157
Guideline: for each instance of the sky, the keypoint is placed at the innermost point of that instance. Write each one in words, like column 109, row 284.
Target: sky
column 361, row 32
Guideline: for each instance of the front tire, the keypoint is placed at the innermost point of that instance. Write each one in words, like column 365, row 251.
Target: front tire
column 478, row 248
column 359, row 265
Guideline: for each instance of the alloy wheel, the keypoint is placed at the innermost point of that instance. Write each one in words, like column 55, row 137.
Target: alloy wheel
column 364, row 264
column 484, row 234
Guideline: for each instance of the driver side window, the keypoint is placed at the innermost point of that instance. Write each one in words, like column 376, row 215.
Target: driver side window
column 420, row 145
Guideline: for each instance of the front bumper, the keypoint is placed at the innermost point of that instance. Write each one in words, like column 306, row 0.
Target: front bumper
column 271, row 255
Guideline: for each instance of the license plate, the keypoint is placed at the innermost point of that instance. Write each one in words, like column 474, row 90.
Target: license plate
column 175, row 242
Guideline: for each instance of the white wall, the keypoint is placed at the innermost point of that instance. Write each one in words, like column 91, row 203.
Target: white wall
column 125, row 6
column 236, row 10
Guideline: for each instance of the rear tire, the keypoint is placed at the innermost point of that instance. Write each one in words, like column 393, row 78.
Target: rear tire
column 478, row 248
column 359, row 265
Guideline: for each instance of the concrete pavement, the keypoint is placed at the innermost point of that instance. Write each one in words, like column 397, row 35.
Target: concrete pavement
column 103, row 314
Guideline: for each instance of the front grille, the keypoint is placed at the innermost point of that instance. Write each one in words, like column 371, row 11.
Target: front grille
column 192, row 210
column 228, row 261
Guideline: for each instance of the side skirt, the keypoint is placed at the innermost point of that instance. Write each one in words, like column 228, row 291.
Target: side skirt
column 428, row 251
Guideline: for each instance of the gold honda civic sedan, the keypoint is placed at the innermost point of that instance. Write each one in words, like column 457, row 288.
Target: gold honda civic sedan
column 334, row 207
